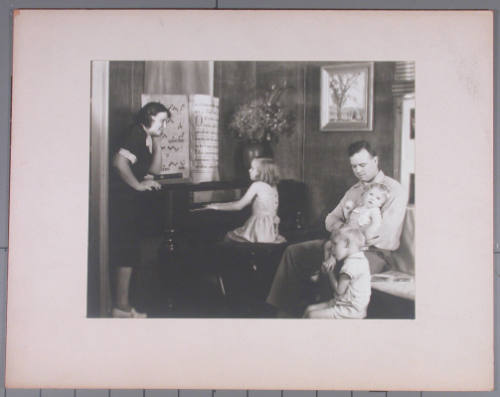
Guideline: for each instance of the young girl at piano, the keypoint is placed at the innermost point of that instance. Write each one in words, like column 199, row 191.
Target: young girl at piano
column 262, row 226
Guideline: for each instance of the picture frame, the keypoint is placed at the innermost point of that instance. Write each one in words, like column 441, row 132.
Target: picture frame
column 351, row 85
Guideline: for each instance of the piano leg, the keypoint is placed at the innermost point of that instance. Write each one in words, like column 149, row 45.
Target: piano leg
column 169, row 234
column 169, row 240
column 221, row 285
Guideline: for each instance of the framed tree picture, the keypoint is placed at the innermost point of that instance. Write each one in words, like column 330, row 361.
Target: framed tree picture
column 346, row 102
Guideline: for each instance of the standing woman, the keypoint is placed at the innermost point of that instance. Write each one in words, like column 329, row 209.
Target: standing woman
column 139, row 155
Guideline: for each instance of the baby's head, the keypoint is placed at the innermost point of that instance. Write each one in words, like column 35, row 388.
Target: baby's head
column 264, row 169
column 375, row 195
column 346, row 241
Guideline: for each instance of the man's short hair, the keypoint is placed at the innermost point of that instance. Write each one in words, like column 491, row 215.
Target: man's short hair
column 358, row 146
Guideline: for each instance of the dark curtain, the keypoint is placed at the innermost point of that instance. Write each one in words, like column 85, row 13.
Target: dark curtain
column 178, row 77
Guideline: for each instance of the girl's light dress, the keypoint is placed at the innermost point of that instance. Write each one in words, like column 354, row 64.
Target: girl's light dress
column 263, row 224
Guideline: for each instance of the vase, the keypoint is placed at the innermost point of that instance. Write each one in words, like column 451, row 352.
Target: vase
column 250, row 150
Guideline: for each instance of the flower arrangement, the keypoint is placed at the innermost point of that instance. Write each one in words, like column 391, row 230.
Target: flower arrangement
column 263, row 119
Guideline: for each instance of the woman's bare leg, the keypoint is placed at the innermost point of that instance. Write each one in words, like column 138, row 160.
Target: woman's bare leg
column 123, row 275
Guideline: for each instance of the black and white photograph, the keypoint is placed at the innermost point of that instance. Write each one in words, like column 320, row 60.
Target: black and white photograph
column 195, row 193
column 252, row 189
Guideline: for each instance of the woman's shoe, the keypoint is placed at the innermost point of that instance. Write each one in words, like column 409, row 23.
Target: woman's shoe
column 136, row 314
column 118, row 313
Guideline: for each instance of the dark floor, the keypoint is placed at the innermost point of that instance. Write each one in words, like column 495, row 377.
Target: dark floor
column 195, row 284
column 224, row 281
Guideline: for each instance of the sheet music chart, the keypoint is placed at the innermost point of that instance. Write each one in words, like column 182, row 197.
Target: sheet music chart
column 190, row 141
column 204, row 118
column 175, row 138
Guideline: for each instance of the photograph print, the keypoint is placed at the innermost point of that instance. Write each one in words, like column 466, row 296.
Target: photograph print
column 252, row 189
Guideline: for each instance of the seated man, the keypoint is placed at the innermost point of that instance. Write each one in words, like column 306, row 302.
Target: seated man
column 300, row 261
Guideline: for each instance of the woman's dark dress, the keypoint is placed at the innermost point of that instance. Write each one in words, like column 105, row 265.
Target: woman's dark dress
column 129, row 209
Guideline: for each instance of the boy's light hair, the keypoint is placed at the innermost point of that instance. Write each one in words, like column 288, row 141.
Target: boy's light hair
column 268, row 171
column 352, row 234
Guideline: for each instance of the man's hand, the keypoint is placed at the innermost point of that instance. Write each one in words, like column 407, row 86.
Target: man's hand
column 372, row 240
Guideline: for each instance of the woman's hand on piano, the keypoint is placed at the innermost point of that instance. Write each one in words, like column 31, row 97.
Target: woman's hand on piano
column 148, row 184
column 211, row 206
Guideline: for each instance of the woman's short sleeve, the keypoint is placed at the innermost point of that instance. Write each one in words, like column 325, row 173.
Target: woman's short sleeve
column 131, row 145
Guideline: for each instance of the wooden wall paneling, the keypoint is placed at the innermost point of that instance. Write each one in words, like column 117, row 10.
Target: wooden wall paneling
column 397, row 106
column 382, row 136
column 177, row 77
column 234, row 85
column 126, row 84
column 334, row 393
column 288, row 151
column 327, row 172
column 301, row 117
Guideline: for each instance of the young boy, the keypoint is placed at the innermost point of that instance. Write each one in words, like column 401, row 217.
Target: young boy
column 366, row 216
column 352, row 288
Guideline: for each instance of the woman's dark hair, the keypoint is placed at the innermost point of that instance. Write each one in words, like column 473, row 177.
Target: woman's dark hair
column 357, row 146
column 145, row 115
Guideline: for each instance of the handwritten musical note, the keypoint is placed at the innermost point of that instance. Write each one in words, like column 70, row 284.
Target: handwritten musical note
column 176, row 109
column 194, row 121
column 176, row 138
